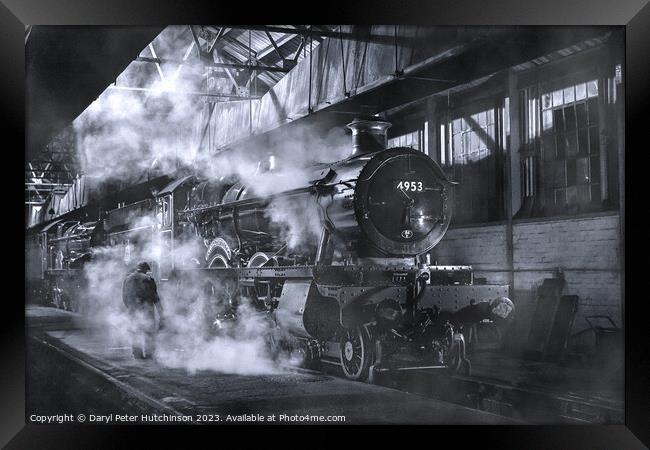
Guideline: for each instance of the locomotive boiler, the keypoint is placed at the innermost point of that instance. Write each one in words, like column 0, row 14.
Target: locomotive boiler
column 361, row 292
column 377, row 203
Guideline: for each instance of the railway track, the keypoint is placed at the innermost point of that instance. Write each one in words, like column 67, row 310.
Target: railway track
column 528, row 404
column 171, row 391
column 67, row 372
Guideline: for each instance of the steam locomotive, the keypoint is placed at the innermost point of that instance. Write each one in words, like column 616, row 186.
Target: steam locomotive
column 362, row 294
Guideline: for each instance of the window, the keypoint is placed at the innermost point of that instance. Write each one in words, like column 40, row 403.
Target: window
column 416, row 139
column 569, row 150
column 470, row 158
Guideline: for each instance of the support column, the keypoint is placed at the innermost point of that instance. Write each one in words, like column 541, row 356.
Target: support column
column 432, row 131
column 604, row 126
column 620, row 124
column 510, row 139
column 513, row 141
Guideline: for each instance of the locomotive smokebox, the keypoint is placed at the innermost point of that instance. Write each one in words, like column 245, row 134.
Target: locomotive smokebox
column 368, row 135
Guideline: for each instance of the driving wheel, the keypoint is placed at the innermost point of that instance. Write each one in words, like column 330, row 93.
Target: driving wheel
column 356, row 353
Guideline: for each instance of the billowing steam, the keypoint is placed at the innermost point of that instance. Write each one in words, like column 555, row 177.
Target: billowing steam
column 130, row 135
column 153, row 120
column 301, row 219
column 279, row 162
column 145, row 121
column 188, row 339
column 245, row 349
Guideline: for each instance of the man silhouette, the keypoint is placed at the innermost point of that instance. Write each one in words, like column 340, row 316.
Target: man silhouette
column 140, row 296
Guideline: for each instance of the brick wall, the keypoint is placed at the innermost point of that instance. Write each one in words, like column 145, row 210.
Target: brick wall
column 483, row 247
column 586, row 249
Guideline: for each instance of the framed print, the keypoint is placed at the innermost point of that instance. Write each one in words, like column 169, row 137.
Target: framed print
column 407, row 214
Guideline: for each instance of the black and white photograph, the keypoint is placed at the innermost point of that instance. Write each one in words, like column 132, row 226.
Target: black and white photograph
column 324, row 224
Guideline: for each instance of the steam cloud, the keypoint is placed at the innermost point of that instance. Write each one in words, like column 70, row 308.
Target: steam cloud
column 131, row 135
column 185, row 341
column 128, row 135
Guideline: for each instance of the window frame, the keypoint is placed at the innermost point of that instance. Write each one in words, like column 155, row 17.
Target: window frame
column 493, row 99
column 534, row 179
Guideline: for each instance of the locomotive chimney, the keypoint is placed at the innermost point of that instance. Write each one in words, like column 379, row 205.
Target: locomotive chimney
column 368, row 135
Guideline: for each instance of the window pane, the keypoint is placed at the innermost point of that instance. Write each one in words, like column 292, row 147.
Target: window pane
column 570, row 117
column 572, row 144
column 548, row 147
column 592, row 107
column 581, row 91
column 547, row 120
column 570, row 172
column 594, row 169
column 560, row 143
column 583, row 141
column 475, row 143
column 479, row 119
column 569, row 94
column 457, row 143
column 558, row 118
column 557, row 98
column 582, row 171
column 581, row 114
column 490, row 133
column 546, row 101
column 592, row 88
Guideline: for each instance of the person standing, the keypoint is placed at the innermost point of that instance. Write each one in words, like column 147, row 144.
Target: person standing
column 140, row 296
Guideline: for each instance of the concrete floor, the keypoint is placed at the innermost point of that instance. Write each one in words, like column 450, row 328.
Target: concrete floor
column 71, row 370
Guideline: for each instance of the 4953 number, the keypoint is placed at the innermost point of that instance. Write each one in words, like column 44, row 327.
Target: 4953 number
column 412, row 186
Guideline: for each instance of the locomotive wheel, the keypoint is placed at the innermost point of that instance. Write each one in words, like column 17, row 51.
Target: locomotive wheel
column 258, row 260
column 217, row 261
column 356, row 353
column 218, row 254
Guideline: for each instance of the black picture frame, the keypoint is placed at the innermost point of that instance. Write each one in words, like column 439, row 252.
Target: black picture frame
column 633, row 14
